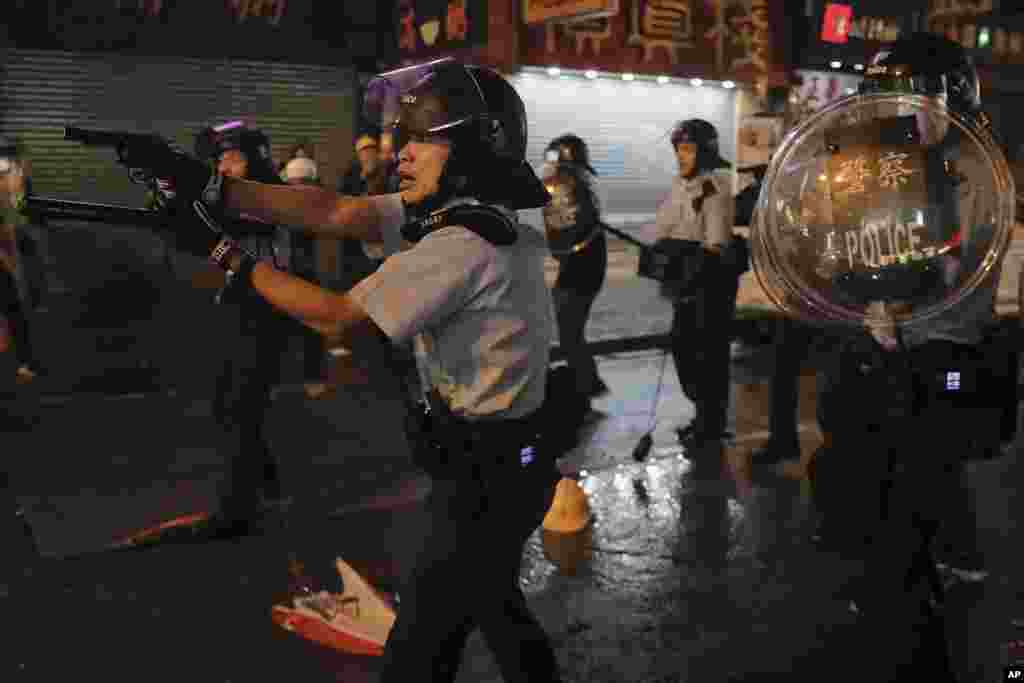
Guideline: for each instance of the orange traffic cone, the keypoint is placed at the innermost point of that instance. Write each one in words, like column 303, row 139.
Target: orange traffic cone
column 570, row 509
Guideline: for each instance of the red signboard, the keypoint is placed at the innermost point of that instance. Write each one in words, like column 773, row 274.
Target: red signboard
column 836, row 26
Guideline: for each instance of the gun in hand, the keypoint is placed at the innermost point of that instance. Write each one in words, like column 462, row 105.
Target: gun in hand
column 134, row 150
column 137, row 151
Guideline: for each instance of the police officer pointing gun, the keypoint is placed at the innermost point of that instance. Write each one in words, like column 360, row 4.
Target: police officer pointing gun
column 470, row 289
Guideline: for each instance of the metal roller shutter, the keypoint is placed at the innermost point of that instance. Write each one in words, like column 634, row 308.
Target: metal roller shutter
column 119, row 306
column 43, row 91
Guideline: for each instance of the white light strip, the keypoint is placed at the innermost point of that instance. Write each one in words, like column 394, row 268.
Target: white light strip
column 529, row 72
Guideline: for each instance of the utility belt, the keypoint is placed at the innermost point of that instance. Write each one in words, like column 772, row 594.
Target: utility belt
column 683, row 266
column 445, row 445
column 930, row 379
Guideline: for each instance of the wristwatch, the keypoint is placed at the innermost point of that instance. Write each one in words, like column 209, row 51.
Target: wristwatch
column 221, row 253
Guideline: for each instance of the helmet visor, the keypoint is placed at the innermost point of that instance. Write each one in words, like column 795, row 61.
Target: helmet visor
column 423, row 101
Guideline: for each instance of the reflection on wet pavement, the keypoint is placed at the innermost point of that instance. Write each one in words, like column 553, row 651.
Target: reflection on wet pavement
column 672, row 564
column 693, row 568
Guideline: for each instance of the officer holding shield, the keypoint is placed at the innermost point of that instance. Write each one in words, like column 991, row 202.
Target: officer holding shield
column 470, row 289
column 889, row 212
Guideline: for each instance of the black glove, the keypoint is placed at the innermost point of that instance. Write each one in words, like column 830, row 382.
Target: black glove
column 190, row 178
column 198, row 232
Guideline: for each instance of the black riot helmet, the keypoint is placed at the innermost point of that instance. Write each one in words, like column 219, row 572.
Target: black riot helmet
column 926, row 64
column 570, row 148
column 476, row 110
column 705, row 137
column 213, row 141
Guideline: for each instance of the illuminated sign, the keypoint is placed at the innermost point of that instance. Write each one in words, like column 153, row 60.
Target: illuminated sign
column 535, row 11
column 835, row 28
column 984, row 37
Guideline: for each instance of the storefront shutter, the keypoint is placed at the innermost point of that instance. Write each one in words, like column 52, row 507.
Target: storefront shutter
column 121, row 304
column 42, row 91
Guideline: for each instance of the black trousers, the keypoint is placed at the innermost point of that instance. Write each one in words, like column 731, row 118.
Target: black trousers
column 250, row 367
column 896, row 465
column 13, row 308
column 465, row 560
column 572, row 310
column 701, row 335
column 580, row 278
column 791, row 345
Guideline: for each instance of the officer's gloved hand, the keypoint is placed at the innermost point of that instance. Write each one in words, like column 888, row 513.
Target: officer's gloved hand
column 190, row 177
column 195, row 230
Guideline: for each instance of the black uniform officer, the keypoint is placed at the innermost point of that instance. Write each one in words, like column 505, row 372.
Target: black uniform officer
column 250, row 355
column 471, row 291
column 913, row 210
column 581, row 271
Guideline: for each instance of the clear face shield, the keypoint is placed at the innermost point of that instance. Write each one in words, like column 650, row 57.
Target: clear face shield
column 419, row 102
column 882, row 208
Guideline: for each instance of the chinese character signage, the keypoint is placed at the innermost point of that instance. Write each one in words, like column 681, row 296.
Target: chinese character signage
column 743, row 42
column 877, row 186
column 535, row 11
column 433, row 27
column 269, row 10
column 970, row 23
column 715, row 39
column 835, row 27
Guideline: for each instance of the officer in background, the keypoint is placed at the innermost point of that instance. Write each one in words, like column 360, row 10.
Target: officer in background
column 367, row 148
column 371, row 173
column 304, row 171
column 700, row 211
column 581, row 271
column 471, row 290
column 17, row 292
column 910, row 213
column 790, row 345
column 251, row 354
column 12, row 314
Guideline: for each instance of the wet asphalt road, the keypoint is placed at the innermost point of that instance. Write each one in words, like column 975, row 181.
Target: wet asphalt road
column 678, row 579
